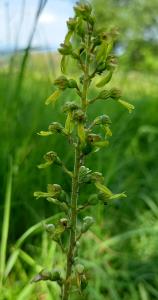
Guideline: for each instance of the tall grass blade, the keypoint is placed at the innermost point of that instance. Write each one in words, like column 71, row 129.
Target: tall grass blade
column 5, row 225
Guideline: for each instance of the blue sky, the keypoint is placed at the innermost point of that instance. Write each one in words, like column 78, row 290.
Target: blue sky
column 51, row 27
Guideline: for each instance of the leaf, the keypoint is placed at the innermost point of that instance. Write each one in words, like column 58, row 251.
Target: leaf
column 53, row 98
column 127, row 105
column 44, row 133
column 104, row 80
column 45, row 165
column 81, row 132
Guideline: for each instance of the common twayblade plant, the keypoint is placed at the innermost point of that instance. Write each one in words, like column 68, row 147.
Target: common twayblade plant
column 92, row 50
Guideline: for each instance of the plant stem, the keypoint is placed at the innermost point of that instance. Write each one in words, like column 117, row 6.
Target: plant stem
column 75, row 184
column 72, row 242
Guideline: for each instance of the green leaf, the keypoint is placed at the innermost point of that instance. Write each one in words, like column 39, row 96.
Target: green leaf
column 53, row 98
column 44, row 133
column 127, row 105
column 104, row 80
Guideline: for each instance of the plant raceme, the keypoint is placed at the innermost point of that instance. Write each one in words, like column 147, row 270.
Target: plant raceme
column 92, row 50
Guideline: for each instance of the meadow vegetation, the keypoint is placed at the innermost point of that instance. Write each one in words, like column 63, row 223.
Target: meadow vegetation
column 120, row 250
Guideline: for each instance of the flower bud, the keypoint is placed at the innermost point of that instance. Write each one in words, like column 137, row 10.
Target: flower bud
column 83, row 10
column 87, row 223
column 84, row 175
column 93, row 138
column 54, row 190
column 50, row 228
column 79, row 268
column 55, row 127
column 61, row 82
column 79, row 115
column 72, row 84
column 71, row 24
column 104, row 94
column 64, row 222
column 65, row 49
column 111, row 62
column 102, row 120
column 70, row 106
column 115, row 93
column 97, row 176
column 50, row 156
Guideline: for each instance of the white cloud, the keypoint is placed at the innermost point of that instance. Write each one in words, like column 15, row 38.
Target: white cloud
column 48, row 18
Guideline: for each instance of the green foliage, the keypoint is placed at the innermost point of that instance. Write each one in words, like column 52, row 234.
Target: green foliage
column 92, row 50
column 120, row 250
column 137, row 23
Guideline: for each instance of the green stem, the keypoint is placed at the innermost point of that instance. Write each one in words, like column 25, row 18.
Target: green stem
column 75, row 184
column 72, row 242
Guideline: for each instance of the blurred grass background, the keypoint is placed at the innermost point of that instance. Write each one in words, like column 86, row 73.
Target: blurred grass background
column 121, row 250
